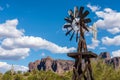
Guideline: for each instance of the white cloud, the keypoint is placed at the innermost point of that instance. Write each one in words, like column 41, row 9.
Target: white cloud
column 14, row 54
column 15, row 45
column 109, row 19
column 4, row 66
column 116, row 53
column 93, row 8
column 8, row 29
column 114, row 30
column 94, row 44
column 34, row 42
column 111, row 41
column 1, row 8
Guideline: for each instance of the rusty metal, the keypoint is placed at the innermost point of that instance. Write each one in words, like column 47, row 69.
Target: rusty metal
column 77, row 23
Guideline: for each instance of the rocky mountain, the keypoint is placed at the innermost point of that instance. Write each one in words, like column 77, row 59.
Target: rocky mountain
column 58, row 66
column 115, row 61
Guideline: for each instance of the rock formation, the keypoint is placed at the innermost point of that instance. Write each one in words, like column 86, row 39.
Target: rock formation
column 58, row 66
column 115, row 61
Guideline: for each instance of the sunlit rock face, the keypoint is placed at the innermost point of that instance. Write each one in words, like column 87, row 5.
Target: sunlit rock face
column 33, row 65
column 115, row 61
column 105, row 55
column 58, row 66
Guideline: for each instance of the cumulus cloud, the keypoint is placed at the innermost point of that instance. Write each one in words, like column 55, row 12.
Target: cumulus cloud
column 93, row 8
column 114, row 30
column 15, row 45
column 116, row 53
column 108, row 19
column 111, row 41
column 94, row 44
column 14, row 54
column 4, row 66
column 34, row 42
column 8, row 29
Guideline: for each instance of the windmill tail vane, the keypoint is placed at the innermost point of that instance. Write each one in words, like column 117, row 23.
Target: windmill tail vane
column 94, row 31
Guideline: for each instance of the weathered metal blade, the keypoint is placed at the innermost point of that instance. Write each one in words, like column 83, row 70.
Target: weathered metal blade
column 67, row 25
column 69, row 31
column 72, row 17
column 72, row 36
column 85, row 14
column 70, row 12
column 76, row 12
column 81, row 11
column 87, row 20
column 68, row 20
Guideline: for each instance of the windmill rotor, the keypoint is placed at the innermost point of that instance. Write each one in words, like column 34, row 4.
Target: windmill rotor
column 77, row 20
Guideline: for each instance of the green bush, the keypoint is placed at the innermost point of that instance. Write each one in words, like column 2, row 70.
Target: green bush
column 18, row 77
column 6, row 77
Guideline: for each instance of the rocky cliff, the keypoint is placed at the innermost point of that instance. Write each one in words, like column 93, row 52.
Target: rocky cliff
column 115, row 61
column 60, row 66
column 48, row 63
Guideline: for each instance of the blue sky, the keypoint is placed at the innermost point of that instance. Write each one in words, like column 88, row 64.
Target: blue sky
column 31, row 30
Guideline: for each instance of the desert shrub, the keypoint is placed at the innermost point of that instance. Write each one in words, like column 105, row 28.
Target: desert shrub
column 6, row 77
column 18, row 77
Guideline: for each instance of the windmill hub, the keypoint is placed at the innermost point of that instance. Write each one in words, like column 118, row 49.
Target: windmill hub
column 75, row 24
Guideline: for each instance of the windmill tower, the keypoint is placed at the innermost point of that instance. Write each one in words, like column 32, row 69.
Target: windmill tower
column 94, row 31
column 77, row 24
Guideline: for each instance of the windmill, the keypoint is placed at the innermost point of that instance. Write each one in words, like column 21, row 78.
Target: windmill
column 94, row 31
column 77, row 24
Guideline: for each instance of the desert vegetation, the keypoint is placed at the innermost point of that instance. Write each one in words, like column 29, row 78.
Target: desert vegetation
column 101, row 71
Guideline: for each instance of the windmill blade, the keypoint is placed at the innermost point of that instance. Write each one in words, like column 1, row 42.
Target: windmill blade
column 77, row 36
column 76, row 11
column 72, row 35
column 85, row 13
column 69, row 31
column 72, row 17
column 68, row 20
column 81, row 11
column 87, row 20
column 70, row 12
column 67, row 26
column 85, row 27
